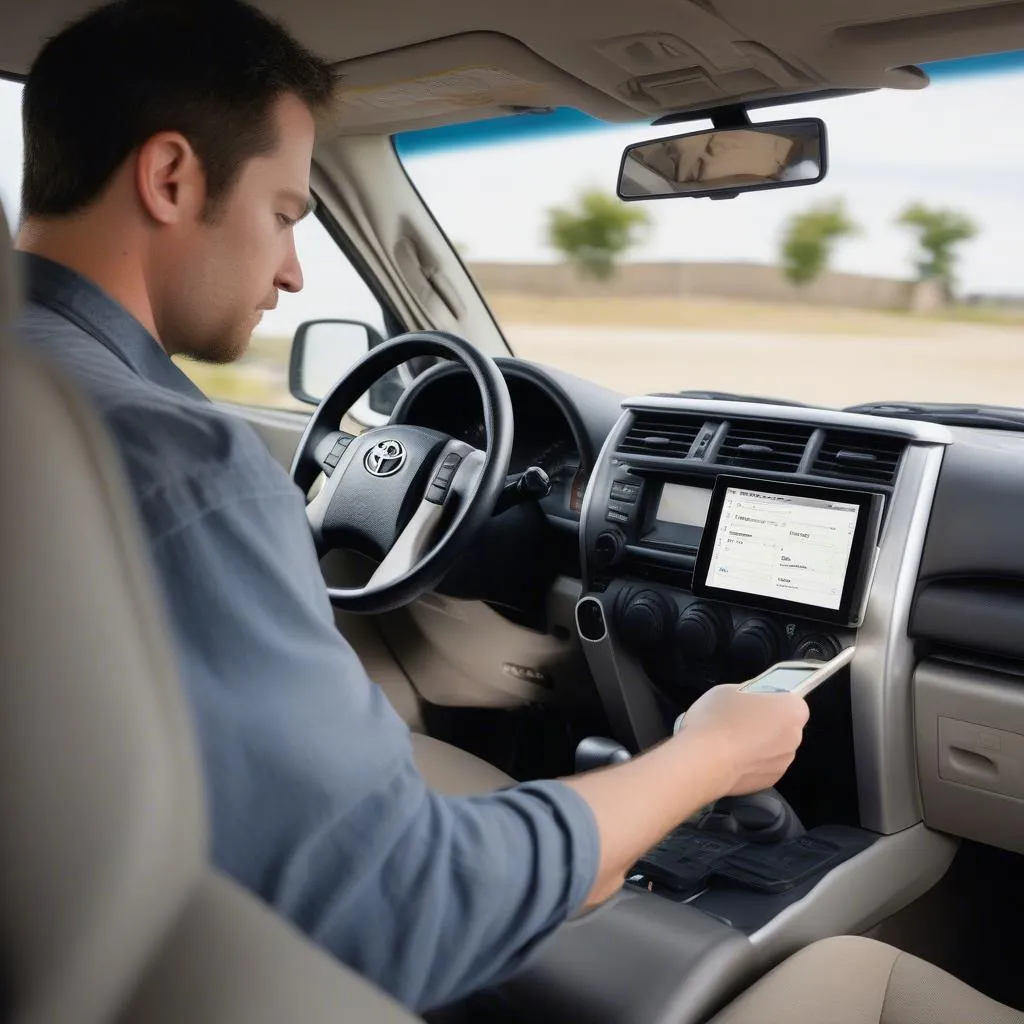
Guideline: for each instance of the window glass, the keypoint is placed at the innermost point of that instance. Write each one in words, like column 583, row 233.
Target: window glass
column 896, row 278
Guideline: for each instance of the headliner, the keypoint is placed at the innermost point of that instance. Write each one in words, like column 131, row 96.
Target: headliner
column 405, row 64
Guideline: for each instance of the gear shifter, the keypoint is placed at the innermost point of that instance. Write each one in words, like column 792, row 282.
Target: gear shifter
column 599, row 752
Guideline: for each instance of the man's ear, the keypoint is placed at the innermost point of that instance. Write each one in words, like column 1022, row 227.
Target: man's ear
column 169, row 179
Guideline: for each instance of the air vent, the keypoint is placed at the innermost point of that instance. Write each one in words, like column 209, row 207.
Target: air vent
column 668, row 435
column 769, row 446
column 871, row 458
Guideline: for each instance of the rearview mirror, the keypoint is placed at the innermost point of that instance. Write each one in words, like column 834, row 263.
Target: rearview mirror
column 722, row 163
column 323, row 351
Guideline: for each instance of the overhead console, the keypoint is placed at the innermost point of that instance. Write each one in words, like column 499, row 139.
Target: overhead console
column 720, row 537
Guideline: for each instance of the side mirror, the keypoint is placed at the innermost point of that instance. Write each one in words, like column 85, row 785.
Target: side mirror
column 721, row 164
column 323, row 351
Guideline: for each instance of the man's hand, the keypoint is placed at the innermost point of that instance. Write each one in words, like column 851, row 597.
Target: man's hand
column 732, row 743
column 752, row 737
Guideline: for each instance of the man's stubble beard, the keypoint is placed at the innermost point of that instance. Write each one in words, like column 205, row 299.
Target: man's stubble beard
column 228, row 350
column 225, row 349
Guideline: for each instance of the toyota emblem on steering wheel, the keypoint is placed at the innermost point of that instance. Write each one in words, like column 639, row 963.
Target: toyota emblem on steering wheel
column 385, row 458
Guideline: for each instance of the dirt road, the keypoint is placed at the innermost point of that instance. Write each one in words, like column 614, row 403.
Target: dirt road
column 956, row 363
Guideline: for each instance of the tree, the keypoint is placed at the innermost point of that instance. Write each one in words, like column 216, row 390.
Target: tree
column 809, row 239
column 939, row 232
column 595, row 232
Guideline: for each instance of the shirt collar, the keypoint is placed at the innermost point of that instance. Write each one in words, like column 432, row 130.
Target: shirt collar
column 85, row 304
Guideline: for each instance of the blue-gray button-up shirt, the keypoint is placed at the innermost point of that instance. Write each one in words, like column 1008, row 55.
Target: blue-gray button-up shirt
column 315, row 801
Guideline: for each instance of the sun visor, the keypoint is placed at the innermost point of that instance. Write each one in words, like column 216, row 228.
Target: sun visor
column 462, row 78
column 925, row 37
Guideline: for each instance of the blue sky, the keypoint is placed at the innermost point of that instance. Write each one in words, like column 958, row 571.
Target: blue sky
column 953, row 144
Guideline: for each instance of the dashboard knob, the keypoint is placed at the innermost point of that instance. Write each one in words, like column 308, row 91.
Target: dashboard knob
column 645, row 618
column 816, row 647
column 756, row 646
column 700, row 631
column 609, row 547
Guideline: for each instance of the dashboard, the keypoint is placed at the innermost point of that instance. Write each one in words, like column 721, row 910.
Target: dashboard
column 721, row 537
column 900, row 538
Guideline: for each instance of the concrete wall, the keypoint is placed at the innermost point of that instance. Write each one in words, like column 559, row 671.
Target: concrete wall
column 708, row 280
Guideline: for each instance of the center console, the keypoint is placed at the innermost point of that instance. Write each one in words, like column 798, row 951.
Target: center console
column 707, row 576
column 716, row 539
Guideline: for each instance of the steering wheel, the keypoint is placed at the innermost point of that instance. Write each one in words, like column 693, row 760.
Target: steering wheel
column 411, row 497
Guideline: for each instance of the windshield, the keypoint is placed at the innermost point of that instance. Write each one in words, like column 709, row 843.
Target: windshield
column 895, row 278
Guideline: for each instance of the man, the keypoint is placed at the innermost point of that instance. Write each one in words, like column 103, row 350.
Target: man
column 168, row 146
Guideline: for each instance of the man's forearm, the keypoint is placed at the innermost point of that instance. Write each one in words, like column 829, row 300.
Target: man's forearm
column 637, row 803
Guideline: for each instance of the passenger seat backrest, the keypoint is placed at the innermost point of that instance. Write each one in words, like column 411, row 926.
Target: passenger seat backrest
column 102, row 816
column 108, row 911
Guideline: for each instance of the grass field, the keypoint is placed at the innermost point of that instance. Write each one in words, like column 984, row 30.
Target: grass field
column 815, row 354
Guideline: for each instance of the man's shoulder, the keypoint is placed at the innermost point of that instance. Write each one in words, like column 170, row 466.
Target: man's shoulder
column 174, row 436
column 75, row 354
column 186, row 458
column 183, row 455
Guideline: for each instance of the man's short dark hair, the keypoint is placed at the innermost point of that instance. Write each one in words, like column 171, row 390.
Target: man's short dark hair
column 210, row 69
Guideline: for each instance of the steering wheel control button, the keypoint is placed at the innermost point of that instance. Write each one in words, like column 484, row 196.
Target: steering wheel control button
column 335, row 454
column 448, row 468
column 442, row 482
column 385, row 458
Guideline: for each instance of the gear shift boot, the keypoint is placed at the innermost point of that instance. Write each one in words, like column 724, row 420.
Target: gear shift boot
column 764, row 817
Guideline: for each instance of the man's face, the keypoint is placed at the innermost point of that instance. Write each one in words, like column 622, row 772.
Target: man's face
column 212, row 284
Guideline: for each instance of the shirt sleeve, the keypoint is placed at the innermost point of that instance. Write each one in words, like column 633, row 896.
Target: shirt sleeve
column 316, row 803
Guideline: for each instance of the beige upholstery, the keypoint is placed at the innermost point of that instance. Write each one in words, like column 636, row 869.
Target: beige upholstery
column 850, row 980
column 453, row 771
column 107, row 909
